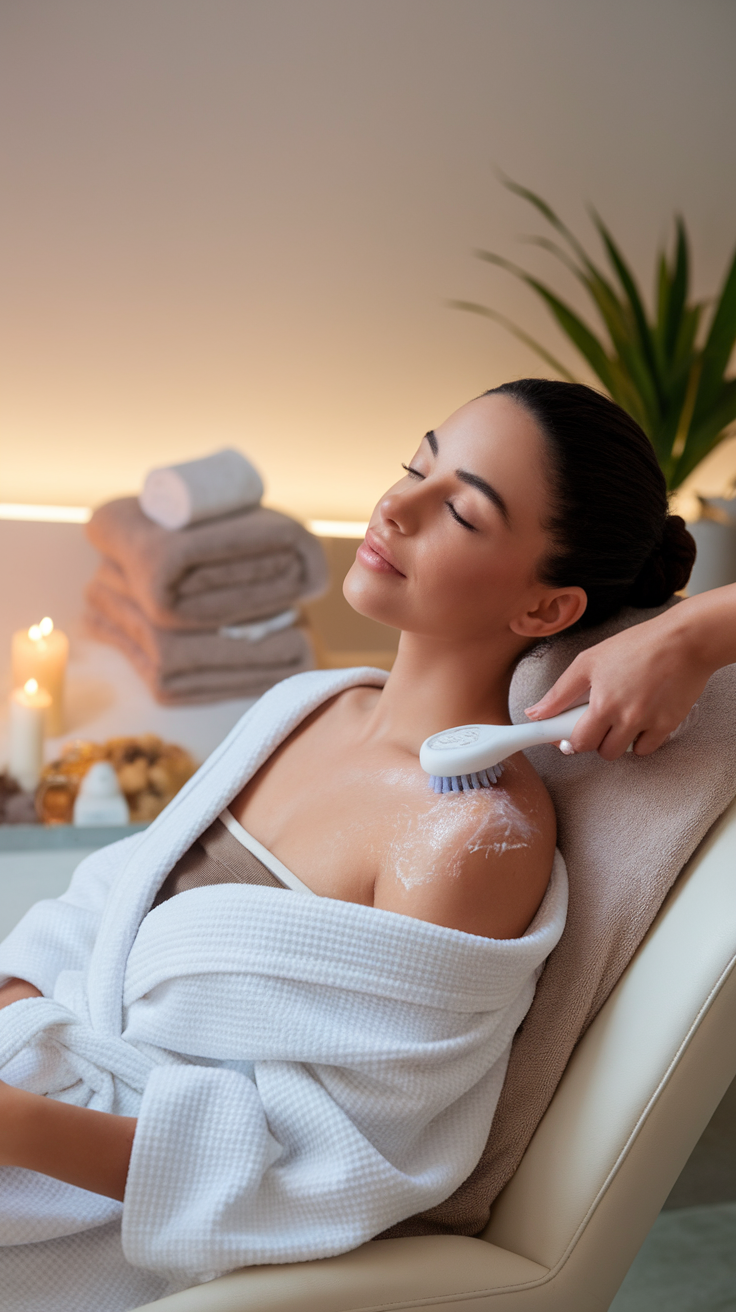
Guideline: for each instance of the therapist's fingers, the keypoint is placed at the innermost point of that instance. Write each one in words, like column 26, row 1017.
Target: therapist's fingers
column 608, row 731
column 569, row 690
column 590, row 730
column 650, row 740
column 676, row 722
column 617, row 741
column 644, row 732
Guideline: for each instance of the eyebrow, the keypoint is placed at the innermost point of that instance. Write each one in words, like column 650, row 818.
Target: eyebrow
column 474, row 480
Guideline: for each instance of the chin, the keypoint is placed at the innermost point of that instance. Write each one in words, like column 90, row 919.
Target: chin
column 371, row 595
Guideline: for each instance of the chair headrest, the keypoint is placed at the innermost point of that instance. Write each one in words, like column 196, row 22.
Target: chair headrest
column 627, row 827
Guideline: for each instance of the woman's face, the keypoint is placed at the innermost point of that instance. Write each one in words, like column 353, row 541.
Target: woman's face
column 453, row 548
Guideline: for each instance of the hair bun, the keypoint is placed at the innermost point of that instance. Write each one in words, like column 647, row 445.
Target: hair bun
column 667, row 569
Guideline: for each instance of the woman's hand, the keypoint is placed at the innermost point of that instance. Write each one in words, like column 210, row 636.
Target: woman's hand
column 644, row 681
column 15, row 989
column 82, row 1147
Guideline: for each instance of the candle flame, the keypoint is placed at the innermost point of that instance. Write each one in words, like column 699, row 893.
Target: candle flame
column 42, row 630
column 31, row 685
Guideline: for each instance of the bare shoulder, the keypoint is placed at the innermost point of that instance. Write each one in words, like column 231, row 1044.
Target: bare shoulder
column 478, row 861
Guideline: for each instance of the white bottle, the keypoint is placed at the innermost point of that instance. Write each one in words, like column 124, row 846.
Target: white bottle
column 100, row 800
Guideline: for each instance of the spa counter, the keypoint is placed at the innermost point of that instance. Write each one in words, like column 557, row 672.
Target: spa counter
column 105, row 698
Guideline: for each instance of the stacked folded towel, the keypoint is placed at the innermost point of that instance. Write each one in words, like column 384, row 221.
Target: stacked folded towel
column 204, row 607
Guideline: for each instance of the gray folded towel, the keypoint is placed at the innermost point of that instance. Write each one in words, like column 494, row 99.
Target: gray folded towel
column 222, row 572
column 188, row 668
column 177, row 495
column 175, row 651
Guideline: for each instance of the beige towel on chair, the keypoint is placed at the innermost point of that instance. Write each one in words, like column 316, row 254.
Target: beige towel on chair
column 626, row 829
column 223, row 571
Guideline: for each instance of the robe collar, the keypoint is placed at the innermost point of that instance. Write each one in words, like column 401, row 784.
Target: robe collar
column 248, row 745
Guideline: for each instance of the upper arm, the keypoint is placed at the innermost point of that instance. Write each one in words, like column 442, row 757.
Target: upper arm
column 490, row 872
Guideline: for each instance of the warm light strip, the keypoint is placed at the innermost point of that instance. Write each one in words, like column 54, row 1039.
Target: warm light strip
column 338, row 528
column 45, row 514
column 323, row 528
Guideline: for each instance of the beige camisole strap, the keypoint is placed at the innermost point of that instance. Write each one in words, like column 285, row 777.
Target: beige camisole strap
column 266, row 858
column 227, row 854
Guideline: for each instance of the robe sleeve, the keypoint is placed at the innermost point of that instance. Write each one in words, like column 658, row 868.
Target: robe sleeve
column 58, row 934
column 338, row 1068
column 228, row 1171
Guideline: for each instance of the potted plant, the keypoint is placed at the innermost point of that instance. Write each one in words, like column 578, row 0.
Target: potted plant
column 667, row 369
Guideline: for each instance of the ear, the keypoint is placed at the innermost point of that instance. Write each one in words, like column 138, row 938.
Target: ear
column 555, row 611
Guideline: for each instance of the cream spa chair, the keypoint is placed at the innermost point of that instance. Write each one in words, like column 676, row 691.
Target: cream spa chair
column 638, row 1092
column 641, row 1084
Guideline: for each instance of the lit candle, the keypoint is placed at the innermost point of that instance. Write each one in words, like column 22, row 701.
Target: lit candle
column 41, row 653
column 29, row 707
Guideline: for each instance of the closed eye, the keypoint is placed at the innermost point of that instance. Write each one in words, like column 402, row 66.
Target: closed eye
column 415, row 473
column 459, row 518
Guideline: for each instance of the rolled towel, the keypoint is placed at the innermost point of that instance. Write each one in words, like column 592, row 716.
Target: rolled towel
column 224, row 572
column 177, row 495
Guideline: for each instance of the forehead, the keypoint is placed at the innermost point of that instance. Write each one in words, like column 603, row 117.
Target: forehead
column 491, row 421
column 493, row 434
column 499, row 440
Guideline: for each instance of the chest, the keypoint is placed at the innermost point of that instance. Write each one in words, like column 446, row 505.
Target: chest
column 327, row 807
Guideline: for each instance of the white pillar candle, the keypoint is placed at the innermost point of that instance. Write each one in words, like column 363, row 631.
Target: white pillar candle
column 29, row 707
column 41, row 653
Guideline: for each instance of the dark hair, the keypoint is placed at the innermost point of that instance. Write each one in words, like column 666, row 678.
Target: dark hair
column 611, row 530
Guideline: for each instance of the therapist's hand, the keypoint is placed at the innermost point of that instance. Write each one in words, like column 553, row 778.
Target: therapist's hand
column 641, row 684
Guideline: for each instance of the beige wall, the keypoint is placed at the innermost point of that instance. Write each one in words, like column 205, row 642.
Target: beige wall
column 235, row 221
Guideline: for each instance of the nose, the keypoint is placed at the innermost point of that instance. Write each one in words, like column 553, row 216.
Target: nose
column 399, row 511
column 406, row 504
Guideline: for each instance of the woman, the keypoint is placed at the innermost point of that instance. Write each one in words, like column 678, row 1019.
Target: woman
column 534, row 508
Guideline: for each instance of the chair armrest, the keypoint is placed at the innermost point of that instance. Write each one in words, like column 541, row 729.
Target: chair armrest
column 387, row 1273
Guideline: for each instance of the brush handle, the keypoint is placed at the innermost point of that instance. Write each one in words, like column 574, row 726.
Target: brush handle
column 471, row 747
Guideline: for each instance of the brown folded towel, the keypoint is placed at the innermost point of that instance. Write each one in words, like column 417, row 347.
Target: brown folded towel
column 222, row 571
column 626, row 829
column 175, row 651
column 195, row 667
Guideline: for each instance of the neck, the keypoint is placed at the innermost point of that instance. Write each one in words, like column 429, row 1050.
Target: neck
column 436, row 684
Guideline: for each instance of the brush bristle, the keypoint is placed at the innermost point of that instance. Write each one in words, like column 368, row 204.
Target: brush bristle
column 462, row 783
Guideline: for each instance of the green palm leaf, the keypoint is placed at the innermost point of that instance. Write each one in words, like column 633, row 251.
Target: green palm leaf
column 703, row 436
column 541, row 351
column 628, row 283
column 678, row 285
column 676, row 390
column 578, row 332
column 718, row 345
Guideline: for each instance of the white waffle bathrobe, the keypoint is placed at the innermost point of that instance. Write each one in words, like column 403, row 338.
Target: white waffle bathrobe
column 305, row 1072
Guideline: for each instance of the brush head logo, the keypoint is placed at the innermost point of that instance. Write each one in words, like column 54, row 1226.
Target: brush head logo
column 462, row 737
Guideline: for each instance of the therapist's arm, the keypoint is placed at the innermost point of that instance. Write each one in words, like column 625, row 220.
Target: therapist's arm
column 82, row 1147
column 642, row 682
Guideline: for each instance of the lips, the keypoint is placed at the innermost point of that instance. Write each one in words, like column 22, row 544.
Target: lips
column 376, row 556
